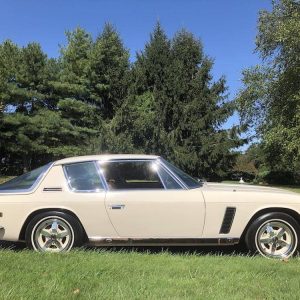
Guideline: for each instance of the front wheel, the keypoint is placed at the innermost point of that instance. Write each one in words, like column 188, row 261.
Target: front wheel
column 53, row 232
column 273, row 235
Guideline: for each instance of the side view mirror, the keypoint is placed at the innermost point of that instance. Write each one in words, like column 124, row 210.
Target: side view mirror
column 201, row 180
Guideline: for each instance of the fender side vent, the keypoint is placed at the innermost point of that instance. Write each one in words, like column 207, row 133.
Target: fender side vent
column 228, row 219
column 52, row 189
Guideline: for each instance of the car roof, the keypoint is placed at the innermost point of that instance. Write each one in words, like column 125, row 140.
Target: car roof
column 75, row 159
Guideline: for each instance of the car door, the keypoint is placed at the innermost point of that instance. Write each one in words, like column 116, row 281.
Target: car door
column 145, row 201
column 86, row 197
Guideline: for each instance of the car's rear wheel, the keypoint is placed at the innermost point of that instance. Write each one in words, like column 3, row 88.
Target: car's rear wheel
column 273, row 235
column 53, row 232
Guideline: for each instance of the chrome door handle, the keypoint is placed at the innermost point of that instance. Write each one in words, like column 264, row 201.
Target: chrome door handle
column 117, row 206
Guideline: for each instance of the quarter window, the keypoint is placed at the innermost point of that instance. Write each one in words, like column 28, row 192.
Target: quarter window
column 83, row 177
column 25, row 181
column 131, row 175
column 189, row 181
column 169, row 182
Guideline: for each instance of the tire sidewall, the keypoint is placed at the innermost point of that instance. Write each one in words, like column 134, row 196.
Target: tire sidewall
column 251, row 235
column 75, row 228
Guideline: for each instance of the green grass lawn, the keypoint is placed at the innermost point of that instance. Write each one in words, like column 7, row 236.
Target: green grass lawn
column 106, row 274
column 132, row 275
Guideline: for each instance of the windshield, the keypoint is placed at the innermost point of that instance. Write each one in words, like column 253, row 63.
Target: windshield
column 25, row 181
column 188, row 180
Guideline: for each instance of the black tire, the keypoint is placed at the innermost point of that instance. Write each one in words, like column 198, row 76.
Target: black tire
column 54, row 231
column 279, row 231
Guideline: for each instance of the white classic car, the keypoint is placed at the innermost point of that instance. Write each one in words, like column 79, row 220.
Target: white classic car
column 142, row 200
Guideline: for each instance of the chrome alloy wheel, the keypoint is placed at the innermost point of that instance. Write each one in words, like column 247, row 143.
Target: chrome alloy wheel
column 276, row 239
column 52, row 234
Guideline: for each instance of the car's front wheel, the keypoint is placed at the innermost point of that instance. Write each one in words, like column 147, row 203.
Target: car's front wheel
column 273, row 235
column 53, row 232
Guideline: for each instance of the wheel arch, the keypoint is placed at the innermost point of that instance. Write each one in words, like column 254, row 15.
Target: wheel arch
column 294, row 214
column 43, row 210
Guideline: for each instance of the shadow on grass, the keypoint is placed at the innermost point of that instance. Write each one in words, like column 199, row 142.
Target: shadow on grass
column 176, row 250
column 15, row 246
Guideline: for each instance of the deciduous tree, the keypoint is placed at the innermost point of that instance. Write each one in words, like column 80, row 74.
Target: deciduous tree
column 270, row 99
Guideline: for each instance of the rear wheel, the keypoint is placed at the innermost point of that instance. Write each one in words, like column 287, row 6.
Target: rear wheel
column 273, row 235
column 53, row 232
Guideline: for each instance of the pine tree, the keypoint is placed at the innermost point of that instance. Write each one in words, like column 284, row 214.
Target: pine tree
column 91, row 100
column 9, row 62
column 148, row 85
column 196, row 110
column 34, row 130
column 24, row 91
column 73, row 90
column 108, row 70
column 175, row 109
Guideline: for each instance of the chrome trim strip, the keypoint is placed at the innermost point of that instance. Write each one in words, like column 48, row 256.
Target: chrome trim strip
column 119, row 241
column 101, row 175
column 52, row 189
column 87, row 191
column 126, row 159
column 159, row 175
column 34, row 187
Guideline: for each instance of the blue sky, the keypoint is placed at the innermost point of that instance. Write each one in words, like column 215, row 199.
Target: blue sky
column 227, row 28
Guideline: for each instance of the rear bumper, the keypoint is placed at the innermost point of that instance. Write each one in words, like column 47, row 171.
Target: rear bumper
column 2, row 231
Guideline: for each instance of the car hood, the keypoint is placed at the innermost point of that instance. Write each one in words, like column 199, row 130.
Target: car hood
column 243, row 187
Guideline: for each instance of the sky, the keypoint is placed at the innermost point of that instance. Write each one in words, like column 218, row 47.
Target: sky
column 227, row 28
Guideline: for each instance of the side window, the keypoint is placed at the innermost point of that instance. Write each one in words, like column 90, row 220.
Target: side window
column 25, row 181
column 131, row 175
column 169, row 182
column 188, row 180
column 83, row 177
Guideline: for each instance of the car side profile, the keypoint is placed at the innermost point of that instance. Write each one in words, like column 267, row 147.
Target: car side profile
column 120, row 200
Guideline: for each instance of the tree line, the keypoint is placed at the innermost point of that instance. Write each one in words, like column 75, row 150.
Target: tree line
column 93, row 99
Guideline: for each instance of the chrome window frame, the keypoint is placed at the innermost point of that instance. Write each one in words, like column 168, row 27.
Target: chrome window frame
column 173, row 175
column 159, row 175
column 34, row 186
column 157, row 160
column 179, row 179
column 103, row 189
